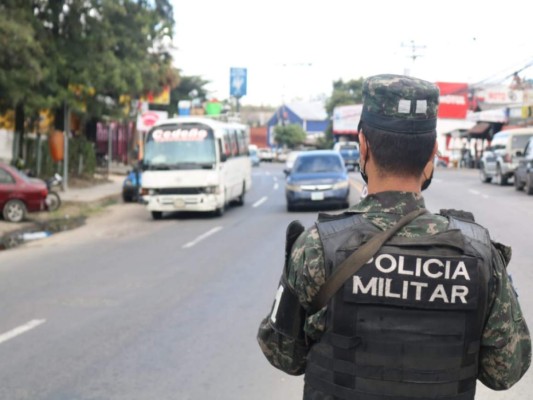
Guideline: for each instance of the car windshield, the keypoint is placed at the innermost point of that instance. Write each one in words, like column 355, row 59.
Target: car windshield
column 349, row 147
column 184, row 146
column 317, row 164
column 519, row 141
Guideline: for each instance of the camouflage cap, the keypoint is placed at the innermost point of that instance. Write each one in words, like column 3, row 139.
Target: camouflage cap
column 401, row 104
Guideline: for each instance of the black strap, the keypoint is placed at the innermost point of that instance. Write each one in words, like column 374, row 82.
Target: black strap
column 356, row 260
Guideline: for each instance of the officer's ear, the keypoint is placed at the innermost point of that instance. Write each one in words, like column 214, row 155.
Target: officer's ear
column 363, row 146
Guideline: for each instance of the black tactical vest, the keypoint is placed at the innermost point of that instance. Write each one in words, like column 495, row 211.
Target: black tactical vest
column 408, row 325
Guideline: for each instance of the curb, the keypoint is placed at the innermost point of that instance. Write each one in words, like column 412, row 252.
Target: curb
column 38, row 229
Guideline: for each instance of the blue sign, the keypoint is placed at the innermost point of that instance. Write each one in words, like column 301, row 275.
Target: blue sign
column 237, row 82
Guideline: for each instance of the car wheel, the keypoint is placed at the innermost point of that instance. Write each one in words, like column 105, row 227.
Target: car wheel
column 517, row 184
column 14, row 211
column 499, row 179
column 483, row 175
column 157, row 215
column 529, row 184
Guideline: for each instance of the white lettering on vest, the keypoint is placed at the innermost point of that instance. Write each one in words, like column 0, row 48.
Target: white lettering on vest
column 358, row 286
column 401, row 269
column 419, row 286
column 388, row 292
column 388, row 269
column 428, row 263
column 461, row 270
column 439, row 293
column 459, row 291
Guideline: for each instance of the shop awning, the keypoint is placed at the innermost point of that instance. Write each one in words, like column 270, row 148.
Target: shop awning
column 479, row 130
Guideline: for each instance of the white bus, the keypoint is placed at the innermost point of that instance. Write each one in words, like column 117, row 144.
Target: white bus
column 195, row 164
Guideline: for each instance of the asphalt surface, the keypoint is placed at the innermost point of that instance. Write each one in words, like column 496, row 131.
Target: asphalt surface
column 130, row 308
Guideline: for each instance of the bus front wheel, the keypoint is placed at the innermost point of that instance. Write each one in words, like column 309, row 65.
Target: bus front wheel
column 156, row 215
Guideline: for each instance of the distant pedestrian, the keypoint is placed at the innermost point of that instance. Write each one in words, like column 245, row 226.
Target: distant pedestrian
column 389, row 301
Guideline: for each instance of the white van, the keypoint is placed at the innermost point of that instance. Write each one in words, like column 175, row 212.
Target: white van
column 501, row 158
column 195, row 164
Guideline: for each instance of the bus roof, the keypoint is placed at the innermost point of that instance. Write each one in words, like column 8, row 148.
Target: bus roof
column 213, row 123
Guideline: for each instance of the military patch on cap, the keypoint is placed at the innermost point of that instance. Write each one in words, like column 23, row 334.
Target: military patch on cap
column 400, row 104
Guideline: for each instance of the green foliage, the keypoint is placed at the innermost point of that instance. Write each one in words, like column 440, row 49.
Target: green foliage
column 326, row 142
column 105, row 49
column 189, row 87
column 345, row 93
column 81, row 157
column 289, row 135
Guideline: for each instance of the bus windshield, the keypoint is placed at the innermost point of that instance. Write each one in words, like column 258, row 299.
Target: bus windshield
column 183, row 146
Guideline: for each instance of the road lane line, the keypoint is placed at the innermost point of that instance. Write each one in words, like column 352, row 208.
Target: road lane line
column 473, row 191
column 4, row 337
column 356, row 185
column 259, row 202
column 276, row 186
column 202, row 237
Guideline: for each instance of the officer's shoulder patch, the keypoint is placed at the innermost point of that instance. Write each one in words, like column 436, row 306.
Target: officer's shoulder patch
column 459, row 214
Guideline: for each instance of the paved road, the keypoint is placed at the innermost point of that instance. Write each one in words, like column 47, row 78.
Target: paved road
column 129, row 308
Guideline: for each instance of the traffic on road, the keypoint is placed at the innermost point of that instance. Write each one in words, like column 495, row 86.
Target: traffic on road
column 159, row 298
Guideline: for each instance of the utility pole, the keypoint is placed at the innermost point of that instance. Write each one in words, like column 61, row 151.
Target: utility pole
column 414, row 54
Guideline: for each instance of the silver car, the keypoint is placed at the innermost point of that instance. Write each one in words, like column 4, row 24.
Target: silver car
column 500, row 160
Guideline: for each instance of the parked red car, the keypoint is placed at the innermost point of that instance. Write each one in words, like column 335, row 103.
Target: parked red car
column 20, row 194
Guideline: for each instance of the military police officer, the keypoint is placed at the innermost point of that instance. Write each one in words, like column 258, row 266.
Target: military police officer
column 422, row 306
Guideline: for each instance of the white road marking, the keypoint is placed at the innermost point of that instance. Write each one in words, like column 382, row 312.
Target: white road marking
column 202, row 237
column 268, row 173
column 21, row 329
column 485, row 196
column 276, row 186
column 259, row 202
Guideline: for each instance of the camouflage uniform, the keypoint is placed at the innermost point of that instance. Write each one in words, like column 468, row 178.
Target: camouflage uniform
column 403, row 105
column 506, row 347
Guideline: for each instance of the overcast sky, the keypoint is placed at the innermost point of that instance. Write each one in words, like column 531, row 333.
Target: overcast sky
column 296, row 48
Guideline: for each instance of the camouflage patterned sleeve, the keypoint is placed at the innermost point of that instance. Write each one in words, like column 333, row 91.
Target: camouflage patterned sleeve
column 505, row 353
column 305, row 276
column 283, row 352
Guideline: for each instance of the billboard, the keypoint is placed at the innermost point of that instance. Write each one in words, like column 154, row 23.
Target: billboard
column 346, row 119
column 453, row 101
column 237, row 82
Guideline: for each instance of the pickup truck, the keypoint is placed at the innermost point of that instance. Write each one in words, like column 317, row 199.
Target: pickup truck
column 350, row 154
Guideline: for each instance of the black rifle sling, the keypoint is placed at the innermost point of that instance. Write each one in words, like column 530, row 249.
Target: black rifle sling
column 356, row 260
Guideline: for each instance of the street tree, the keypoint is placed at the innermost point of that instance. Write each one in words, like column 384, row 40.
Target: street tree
column 189, row 87
column 289, row 135
column 344, row 93
column 91, row 56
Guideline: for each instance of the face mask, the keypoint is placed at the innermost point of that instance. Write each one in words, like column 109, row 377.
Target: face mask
column 363, row 175
column 427, row 182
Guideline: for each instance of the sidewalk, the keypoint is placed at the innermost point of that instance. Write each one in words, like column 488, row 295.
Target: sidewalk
column 75, row 202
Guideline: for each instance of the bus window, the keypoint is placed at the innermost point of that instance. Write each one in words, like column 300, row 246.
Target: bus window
column 227, row 143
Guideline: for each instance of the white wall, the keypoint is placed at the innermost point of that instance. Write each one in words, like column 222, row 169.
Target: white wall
column 6, row 145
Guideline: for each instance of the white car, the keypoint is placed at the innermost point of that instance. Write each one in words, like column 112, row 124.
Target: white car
column 291, row 158
column 266, row 154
